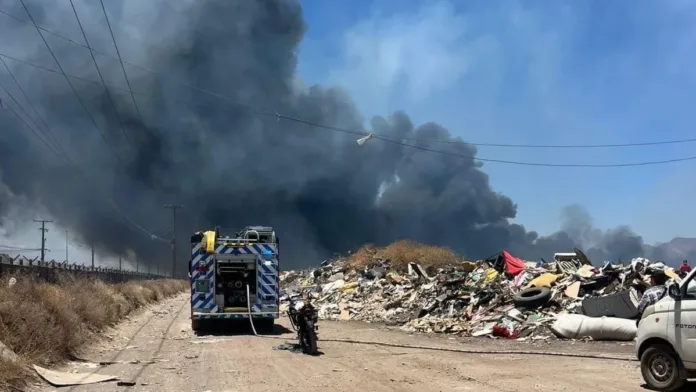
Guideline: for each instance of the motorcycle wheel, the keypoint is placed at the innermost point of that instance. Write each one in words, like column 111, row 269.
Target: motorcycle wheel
column 310, row 338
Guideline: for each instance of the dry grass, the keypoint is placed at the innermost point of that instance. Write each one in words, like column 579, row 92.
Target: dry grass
column 399, row 254
column 13, row 376
column 46, row 323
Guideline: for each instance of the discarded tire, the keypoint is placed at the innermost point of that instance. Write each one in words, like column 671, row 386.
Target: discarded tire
column 532, row 297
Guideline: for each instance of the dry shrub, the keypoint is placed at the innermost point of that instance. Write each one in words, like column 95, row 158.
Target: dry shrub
column 400, row 253
column 13, row 376
column 365, row 257
column 46, row 323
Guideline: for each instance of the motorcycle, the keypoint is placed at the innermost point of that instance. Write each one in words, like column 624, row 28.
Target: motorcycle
column 303, row 318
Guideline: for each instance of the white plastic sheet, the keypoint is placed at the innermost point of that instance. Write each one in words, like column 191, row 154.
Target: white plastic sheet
column 576, row 326
column 63, row 379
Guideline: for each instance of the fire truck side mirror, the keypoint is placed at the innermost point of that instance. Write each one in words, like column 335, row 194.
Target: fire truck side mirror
column 209, row 241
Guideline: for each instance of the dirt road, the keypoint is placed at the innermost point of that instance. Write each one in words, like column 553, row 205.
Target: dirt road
column 244, row 363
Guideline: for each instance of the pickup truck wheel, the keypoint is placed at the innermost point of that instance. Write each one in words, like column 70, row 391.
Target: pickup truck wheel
column 660, row 367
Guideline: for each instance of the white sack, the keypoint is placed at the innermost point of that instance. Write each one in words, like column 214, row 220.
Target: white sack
column 576, row 326
column 333, row 286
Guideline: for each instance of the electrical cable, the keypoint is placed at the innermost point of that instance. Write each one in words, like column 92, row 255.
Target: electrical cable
column 15, row 248
column 79, row 245
column 101, row 77
column 125, row 75
column 397, row 142
column 48, row 133
column 518, row 163
column 118, row 53
column 478, row 144
column 140, row 67
column 124, row 216
column 41, row 139
column 614, row 145
column 123, row 69
column 111, row 201
column 94, row 122
column 85, row 80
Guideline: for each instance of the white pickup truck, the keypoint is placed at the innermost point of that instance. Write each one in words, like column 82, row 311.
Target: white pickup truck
column 666, row 340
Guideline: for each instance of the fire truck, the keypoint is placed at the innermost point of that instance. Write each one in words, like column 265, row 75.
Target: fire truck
column 235, row 277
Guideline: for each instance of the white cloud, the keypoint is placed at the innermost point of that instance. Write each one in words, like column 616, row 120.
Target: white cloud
column 423, row 50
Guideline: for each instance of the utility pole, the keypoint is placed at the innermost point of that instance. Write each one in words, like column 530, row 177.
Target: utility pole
column 137, row 266
column 92, row 257
column 66, row 246
column 43, row 230
column 173, row 207
column 119, row 264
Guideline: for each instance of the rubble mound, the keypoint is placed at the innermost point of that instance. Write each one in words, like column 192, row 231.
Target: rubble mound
column 423, row 288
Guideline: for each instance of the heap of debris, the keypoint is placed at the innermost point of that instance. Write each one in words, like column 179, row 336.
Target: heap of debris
column 501, row 296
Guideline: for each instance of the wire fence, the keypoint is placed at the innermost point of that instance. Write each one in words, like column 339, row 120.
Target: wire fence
column 51, row 271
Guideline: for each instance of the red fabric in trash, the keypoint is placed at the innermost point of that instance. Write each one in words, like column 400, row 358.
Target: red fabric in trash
column 513, row 265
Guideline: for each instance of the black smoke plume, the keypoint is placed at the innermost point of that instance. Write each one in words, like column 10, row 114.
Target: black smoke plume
column 231, row 166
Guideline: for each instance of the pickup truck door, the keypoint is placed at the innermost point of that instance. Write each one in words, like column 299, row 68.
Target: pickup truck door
column 684, row 325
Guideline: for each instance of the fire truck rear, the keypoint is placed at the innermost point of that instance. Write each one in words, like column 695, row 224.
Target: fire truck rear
column 235, row 277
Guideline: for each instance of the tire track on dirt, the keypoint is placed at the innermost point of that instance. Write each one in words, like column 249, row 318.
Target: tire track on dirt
column 132, row 380
column 114, row 359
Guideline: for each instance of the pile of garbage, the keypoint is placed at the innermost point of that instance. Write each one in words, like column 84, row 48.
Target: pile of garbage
column 502, row 296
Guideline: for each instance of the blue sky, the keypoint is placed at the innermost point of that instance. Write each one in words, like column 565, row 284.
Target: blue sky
column 534, row 72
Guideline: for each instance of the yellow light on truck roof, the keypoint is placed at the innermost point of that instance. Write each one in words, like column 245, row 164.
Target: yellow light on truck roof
column 209, row 241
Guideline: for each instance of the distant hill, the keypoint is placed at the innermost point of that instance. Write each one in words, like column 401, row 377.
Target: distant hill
column 674, row 251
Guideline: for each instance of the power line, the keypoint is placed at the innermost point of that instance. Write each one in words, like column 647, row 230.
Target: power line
column 78, row 245
column 140, row 67
column 118, row 53
column 519, row 163
column 48, row 133
column 386, row 139
column 398, row 142
column 66, row 157
column 85, row 80
column 15, row 248
column 94, row 122
column 616, row 145
column 47, row 144
column 123, row 69
column 478, row 144
column 77, row 170
column 96, row 65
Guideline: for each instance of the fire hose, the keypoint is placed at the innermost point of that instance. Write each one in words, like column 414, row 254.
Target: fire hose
column 452, row 350
column 251, row 319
